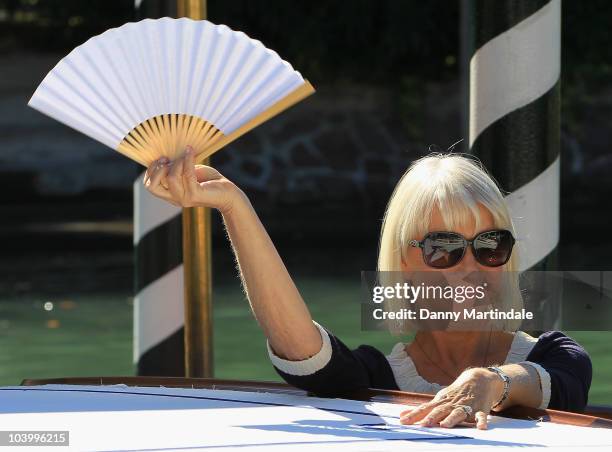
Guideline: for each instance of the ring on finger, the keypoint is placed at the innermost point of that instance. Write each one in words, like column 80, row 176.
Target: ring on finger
column 466, row 409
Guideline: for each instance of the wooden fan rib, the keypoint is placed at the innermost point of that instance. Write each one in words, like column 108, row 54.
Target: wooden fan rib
column 142, row 138
column 144, row 153
column 129, row 151
column 180, row 131
column 139, row 142
column 173, row 135
column 200, row 137
column 198, row 131
column 209, row 135
column 154, row 134
column 191, row 130
column 162, row 137
column 211, row 139
column 146, row 143
column 168, row 135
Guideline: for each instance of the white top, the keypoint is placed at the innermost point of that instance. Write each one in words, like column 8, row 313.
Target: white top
column 403, row 368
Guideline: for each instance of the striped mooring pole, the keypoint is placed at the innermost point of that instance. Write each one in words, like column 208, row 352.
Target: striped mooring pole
column 173, row 274
column 158, row 286
column 514, row 51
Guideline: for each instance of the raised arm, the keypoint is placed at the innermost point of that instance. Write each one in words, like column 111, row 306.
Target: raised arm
column 272, row 294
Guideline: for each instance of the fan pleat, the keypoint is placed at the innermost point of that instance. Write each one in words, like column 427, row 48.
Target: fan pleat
column 115, row 90
column 264, row 76
column 126, row 89
column 81, row 103
column 148, row 68
column 130, row 62
column 121, row 110
column 243, row 70
column 219, row 49
column 77, row 110
column 202, row 70
column 83, row 82
column 68, row 116
column 228, row 71
column 278, row 88
column 185, row 34
column 194, row 66
column 154, row 49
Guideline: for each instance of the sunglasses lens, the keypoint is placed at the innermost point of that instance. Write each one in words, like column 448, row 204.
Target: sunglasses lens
column 443, row 249
column 493, row 248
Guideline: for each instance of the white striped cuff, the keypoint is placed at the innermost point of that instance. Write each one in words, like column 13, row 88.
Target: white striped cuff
column 544, row 383
column 306, row 366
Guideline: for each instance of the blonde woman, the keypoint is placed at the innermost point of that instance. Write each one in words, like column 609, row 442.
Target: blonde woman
column 471, row 373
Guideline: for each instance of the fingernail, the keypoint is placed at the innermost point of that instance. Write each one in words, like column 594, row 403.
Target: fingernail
column 188, row 150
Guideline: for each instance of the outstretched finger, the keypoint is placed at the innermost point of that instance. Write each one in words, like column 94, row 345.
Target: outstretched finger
column 481, row 420
column 417, row 413
column 175, row 179
column 150, row 171
column 153, row 168
column 155, row 182
column 156, row 186
column 190, row 179
column 436, row 415
column 456, row 416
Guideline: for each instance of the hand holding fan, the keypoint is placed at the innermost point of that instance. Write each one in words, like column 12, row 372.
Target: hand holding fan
column 148, row 89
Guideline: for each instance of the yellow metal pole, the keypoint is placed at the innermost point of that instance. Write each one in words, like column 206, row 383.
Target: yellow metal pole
column 194, row 9
column 197, row 262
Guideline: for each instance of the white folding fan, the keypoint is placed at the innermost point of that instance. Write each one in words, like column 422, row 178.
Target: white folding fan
column 150, row 88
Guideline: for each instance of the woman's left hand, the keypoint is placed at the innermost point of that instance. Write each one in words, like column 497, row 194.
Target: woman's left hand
column 477, row 388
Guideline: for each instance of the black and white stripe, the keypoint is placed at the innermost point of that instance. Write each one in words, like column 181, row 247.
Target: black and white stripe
column 158, row 285
column 514, row 114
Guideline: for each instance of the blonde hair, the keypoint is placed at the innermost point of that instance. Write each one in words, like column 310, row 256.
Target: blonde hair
column 455, row 184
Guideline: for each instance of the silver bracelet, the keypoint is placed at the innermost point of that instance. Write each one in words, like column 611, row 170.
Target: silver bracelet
column 506, row 379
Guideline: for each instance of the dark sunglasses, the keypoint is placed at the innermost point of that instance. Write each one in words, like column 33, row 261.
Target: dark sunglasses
column 446, row 249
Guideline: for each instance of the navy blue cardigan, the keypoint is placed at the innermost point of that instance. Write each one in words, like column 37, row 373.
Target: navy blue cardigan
column 567, row 363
